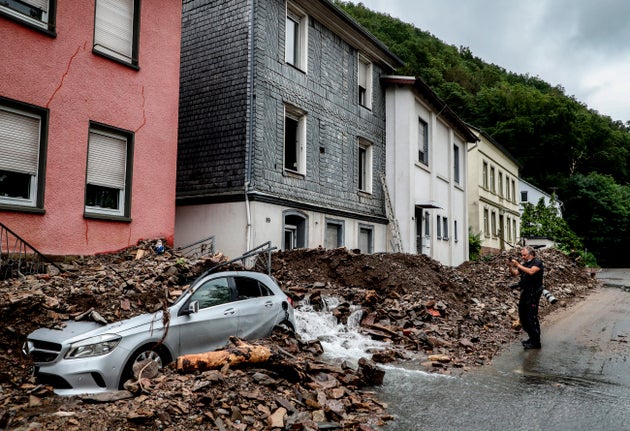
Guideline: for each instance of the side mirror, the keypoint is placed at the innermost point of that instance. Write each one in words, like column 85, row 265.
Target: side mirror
column 193, row 308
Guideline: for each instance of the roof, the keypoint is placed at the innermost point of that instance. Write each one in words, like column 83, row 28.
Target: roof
column 342, row 24
column 443, row 110
column 496, row 144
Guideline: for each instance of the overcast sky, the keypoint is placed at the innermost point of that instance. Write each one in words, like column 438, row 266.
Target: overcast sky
column 581, row 45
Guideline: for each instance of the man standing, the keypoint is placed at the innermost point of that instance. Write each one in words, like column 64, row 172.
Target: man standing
column 531, row 272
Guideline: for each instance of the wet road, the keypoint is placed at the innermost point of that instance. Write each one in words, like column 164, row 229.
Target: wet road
column 579, row 380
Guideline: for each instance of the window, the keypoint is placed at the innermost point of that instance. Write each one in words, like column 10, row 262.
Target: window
column 294, row 139
column 295, row 235
column 439, row 227
column 249, row 288
column 334, row 234
column 486, row 222
column 507, row 187
column 366, row 240
column 116, row 28
column 484, row 175
column 213, row 292
column 365, row 82
column 492, row 180
column 514, row 230
column 23, row 130
column 427, row 224
column 423, row 142
column 365, row 166
column 456, row 163
column 39, row 14
column 445, row 228
column 513, row 191
column 296, row 37
column 493, row 222
column 455, row 234
column 524, row 196
column 501, row 184
column 108, row 187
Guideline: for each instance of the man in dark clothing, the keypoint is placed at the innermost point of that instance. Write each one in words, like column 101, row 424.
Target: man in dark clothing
column 531, row 272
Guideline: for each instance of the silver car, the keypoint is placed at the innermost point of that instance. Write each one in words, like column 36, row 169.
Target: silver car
column 88, row 357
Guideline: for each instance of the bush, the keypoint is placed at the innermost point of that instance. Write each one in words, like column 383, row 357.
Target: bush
column 474, row 244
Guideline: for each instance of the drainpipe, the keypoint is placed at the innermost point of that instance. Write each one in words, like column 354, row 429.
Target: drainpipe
column 250, row 131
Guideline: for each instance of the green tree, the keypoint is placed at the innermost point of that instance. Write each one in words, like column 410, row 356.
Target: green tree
column 544, row 220
column 599, row 210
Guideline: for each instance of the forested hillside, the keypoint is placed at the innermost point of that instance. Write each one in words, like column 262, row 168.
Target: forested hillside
column 561, row 143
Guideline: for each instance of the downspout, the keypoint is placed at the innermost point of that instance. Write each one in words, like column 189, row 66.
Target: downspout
column 250, row 131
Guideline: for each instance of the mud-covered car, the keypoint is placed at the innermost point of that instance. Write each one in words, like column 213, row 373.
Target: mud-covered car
column 88, row 357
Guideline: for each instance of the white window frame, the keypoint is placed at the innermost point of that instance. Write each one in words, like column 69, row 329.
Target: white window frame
column 364, row 166
column 423, row 141
column 445, row 228
column 23, row 131
column 367, row 232
column 109, row 165
column 298, row 55
column 338, row 227
column 297, row 115
column 20, row 11
column 364, row 80
column 116, row 24
column 456, row 160
column 486, row 222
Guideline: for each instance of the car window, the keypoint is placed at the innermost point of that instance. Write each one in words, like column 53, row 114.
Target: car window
column 213, row 292
column 250, row 288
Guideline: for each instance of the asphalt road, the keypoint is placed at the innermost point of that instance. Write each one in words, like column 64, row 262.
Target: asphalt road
column 579, row 380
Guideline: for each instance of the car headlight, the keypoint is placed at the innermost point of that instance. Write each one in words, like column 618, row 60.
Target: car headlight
column 95, row 346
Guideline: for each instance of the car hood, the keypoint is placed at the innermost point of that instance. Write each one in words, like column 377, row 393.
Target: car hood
column 79, row 330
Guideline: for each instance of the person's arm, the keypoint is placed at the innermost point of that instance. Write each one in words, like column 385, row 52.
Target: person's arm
column 518, row 267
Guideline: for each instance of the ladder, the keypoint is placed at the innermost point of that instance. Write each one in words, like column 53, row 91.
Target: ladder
column 389, row 210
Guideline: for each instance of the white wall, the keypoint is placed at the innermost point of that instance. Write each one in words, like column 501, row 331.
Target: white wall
column 229, row 224
column 412, row 183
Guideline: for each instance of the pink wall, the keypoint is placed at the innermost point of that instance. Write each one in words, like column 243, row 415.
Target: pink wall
column 78, row 86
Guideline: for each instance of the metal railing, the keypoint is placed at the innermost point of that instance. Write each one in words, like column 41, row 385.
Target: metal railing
column 203, row 247
column 249, row 258
column 18, row 257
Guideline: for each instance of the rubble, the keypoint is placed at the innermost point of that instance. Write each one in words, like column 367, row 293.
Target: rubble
column 447, row 320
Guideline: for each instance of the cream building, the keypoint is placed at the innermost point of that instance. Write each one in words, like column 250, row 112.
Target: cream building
column 493, row 200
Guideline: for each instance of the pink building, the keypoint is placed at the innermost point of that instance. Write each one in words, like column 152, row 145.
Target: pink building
column 89, row 95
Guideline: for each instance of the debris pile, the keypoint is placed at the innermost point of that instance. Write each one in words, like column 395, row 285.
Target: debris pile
column 448, row 319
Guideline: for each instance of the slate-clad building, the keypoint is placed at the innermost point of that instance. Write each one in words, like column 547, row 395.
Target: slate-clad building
column 281, row 127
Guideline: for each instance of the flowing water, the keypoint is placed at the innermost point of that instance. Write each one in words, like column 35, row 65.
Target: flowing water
column 568, row 385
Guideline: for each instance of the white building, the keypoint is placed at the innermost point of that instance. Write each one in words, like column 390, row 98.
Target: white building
column 426, row 171
column 532, row 194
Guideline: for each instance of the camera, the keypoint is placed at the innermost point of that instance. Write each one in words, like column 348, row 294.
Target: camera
column 549, row 296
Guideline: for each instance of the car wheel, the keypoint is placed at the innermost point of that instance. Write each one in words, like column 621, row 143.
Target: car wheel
column 139, row 360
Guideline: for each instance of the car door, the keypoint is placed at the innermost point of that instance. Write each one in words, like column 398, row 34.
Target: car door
column 216, row 320
column 258, row 308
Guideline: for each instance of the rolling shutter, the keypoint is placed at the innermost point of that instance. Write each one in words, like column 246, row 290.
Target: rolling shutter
column 106, row 161
column 19, row 142
column 113, row 27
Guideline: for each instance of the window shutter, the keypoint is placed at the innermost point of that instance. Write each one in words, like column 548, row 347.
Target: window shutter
column 113, row 28
column 39, row 4
column 19, row 140
column 106, row 161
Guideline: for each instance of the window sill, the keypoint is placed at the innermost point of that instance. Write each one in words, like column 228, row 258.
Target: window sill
column 22, row 209
column 293, row 174
column 94, row 216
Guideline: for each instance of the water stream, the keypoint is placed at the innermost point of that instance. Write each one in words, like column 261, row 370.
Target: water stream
column 523, row 390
